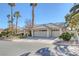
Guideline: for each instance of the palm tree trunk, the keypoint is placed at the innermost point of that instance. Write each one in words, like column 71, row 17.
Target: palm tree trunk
column 11, row 19
column 16, row 24
column 32, row 16
column 9, row 23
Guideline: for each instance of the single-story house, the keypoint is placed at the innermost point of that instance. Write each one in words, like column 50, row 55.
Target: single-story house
column 47, row 30
column 1, row 30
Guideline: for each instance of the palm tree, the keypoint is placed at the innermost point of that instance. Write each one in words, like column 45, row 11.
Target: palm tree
column 75, row 8
column 72, row 24
column 11, row 5
column 17, row 15
column 71, row 20
column 70, row 17
column 33, row 7
column 8, row 16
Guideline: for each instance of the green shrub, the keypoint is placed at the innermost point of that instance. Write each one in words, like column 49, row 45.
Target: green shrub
column 3, row 33
column 65, row 36
column 0, row 35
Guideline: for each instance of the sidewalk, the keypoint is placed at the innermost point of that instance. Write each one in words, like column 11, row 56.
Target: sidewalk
column 47, row 41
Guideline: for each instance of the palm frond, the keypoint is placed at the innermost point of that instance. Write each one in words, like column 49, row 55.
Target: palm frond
column 74, row 8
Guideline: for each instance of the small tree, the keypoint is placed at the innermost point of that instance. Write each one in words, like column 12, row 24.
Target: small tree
column 28, row 26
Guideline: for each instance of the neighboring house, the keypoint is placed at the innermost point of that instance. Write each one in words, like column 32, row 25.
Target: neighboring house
column 1, row 30
column 43, row 30
column 19, row 29
column 48, row 30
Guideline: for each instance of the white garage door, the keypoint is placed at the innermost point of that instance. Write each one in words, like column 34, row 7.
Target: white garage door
column 55, row 33
column 40, row 33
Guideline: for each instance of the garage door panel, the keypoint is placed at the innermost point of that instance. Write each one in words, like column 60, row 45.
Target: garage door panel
column 55, row 33
column 40, row 33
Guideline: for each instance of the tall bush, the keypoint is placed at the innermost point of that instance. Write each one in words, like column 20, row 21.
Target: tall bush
column 65, row 36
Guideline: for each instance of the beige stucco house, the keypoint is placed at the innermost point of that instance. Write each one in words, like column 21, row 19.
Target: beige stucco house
column 1, row 30
column 47, row 30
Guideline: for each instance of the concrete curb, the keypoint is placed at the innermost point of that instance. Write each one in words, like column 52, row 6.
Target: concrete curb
column 38, row 41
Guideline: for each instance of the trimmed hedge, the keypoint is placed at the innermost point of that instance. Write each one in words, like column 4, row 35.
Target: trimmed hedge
column 65, row 36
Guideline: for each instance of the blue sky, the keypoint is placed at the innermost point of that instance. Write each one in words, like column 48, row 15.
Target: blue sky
column 44, row 13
